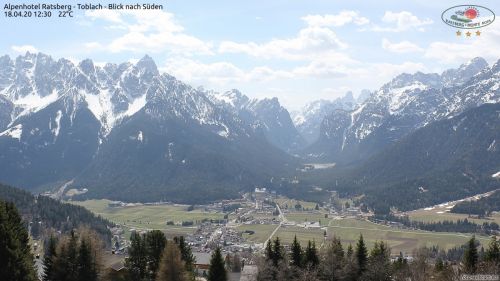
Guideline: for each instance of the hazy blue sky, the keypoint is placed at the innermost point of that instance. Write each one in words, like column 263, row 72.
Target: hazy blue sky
column 295, row 50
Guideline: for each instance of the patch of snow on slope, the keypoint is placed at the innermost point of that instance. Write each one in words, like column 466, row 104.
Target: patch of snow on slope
column 135, row 106
column 492, row 146
column 102, row 108
column 496, row 175
column 13, row 132
column 224, row 98
column 225, row 132
column 57, row 128
column 400, row 97
column 361, row 132
column 33, row 102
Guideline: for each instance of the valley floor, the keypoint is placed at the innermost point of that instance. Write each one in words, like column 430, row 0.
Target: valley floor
column 251, row 225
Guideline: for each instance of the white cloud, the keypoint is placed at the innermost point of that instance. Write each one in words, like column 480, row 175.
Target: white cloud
column 401, row 21
column 22, row 49
column 487, row 45
column 322, row 69
column 401, row 47
column 219, row 73
column 105, row 14
column 146, row 31
column 384, row 72
column 340, row 19
column 312, row 41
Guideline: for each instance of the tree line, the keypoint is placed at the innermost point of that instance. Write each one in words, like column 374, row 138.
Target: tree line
column 358, row 263
column 462, row 226
column 482, row 207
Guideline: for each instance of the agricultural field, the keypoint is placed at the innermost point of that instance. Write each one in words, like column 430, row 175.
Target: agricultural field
column 287, row 233
column 442, row 214
column 348, row 229
column 400, row 240
column 150, row 216
column 301, row 217
column 262, row 231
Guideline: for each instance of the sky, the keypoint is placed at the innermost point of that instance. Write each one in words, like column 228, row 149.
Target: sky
column 298, row 51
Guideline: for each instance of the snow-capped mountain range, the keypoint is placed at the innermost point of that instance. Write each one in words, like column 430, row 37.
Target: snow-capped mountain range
column 265, row 115
column 408, row 102
column 308, row 119
column 60, row 122
column 128, row 131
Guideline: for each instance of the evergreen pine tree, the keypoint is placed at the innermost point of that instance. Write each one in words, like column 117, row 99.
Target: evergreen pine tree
column 277, row 252
column 16, row 259
column 136, row 263
column 49, row 258
column 296, row 255
column 71, row 256
column 87, row 270
column 77, row 258
column 350, row 251
column 493, row 252
column 471, row 258
column 311, row 255
column 350, row 271
column 378, row 264
column 361, row 254
column 155, row 245
column 269, row 250
column 61, row 265
column 217, row 270
column 187, row 255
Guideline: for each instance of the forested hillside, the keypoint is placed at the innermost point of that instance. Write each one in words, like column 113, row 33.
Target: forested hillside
column 45, row 213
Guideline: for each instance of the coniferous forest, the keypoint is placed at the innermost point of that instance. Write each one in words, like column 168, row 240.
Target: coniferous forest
column 46, row 214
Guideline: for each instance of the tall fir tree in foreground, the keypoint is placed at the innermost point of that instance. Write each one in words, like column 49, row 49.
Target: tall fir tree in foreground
column 87, row 266
column 187, row 256
column 471, row 257
column 379, row 265
column 49, row 259
column 77, row 258
column 311, row 255
column 361, row 254
column 217, row 269
column 136, row 263
column 16, row 259
column 296, row 255
column 155, row 245
column 492, row 254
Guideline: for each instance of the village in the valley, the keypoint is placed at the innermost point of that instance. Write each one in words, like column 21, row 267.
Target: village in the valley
column 247, row 224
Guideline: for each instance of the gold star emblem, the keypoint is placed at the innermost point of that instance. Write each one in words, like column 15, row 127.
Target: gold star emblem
column 459, row 33
column 478, row 33
column 468, row 34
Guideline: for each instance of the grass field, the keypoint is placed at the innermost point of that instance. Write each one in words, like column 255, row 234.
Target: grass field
column 300, row 217
column 399, row 240
column 262, row 231
column 436, row 215
column 287, row 233
column 149, row 217
column 155, row 217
